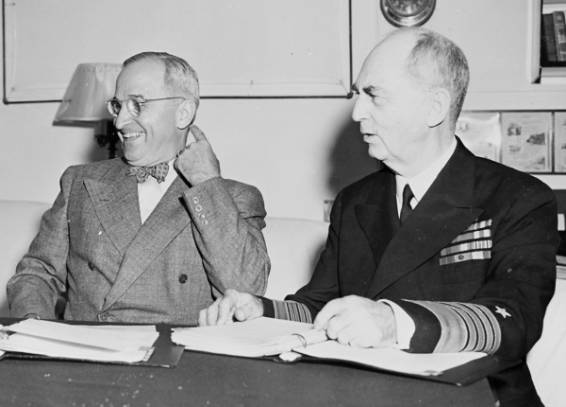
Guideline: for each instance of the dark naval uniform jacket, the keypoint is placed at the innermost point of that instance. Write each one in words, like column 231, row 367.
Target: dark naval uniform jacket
column 473, row 265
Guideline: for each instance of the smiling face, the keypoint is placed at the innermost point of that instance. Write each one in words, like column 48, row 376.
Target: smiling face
column 392, row 107
column 153, row 136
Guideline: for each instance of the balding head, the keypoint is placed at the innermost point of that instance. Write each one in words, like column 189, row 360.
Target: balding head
column 432, row 60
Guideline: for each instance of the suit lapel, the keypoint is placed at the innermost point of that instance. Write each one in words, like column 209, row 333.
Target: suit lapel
column 444, row 211
column 115, row 200
column 378, row 217
column 166, row 221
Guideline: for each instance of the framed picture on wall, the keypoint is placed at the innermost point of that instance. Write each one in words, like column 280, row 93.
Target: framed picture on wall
column 526, row 141
column 240, row 49
column 560, row 142
column 481, row 133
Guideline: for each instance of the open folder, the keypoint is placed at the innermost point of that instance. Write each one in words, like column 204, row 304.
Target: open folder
column 100, row 343
column 271, row 337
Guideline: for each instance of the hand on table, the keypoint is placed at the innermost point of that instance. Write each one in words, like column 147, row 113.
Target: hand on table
column 197, row 162
column 234, row 305
column 358, row 321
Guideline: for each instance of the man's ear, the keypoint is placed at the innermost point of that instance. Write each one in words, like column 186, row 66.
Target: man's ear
column 185, row 114
column 439, row 106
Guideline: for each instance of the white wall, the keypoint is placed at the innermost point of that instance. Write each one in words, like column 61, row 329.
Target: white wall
column 298, row 152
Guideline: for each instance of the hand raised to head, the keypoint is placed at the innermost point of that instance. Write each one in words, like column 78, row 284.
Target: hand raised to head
column 197, row 162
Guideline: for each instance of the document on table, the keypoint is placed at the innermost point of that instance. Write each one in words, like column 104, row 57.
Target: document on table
column 256, row 338
column 270, row 337
column 103, row 343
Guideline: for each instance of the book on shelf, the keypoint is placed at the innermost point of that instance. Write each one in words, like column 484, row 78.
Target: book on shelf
column 553, row 46
column 560, row 35
column 291, row 341
column 130, row 344
column 548, row 40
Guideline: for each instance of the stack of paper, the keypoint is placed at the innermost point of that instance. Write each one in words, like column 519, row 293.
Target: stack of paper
column 103, row 343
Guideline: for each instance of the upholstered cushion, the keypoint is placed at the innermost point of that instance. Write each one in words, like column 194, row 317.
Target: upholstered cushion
column 293, row 246
column 19, row 222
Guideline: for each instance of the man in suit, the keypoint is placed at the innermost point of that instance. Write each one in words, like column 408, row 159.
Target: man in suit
column 155, row 236
column 437, row 251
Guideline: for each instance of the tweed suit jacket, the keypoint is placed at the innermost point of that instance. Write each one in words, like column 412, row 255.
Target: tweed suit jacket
column 478, row 251
column 93, row 259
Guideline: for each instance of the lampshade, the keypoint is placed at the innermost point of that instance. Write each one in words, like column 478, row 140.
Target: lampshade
column 85, row 99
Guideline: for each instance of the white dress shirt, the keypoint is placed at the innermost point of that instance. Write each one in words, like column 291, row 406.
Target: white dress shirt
column 150, row 192
column 419, row 184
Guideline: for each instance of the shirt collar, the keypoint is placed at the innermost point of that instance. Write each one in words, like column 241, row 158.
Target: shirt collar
column 421, row 182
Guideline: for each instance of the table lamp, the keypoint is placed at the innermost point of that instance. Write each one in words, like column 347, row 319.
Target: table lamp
column 84, row 103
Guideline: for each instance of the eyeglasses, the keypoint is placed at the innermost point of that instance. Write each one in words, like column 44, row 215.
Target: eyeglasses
column 134, row 104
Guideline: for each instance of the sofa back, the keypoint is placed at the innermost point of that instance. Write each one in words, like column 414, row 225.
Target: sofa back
column 19, row 222
column 293, row 246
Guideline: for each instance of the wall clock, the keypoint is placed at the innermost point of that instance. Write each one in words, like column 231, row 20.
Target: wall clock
column 407, row 13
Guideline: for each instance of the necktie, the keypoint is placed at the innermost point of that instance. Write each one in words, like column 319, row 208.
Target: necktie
column 406, row 207
column 158, row 171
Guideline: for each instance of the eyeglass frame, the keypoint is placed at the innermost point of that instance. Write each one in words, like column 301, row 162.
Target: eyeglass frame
column 140, row 100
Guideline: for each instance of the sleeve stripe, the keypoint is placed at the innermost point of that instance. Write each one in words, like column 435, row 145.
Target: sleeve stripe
column 464, row 327
column 291, row 310
column 486, row 328
column 477, row 333
column 492, row 341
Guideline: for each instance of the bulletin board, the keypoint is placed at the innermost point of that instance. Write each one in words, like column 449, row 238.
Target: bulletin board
column 240, row 48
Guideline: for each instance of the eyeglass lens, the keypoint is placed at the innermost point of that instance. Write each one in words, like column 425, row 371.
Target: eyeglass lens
column 115, row 106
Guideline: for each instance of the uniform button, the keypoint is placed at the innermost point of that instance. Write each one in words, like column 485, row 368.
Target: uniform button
column 183, row 278
column 195, row 200
column 105, row 317
column 198, row 208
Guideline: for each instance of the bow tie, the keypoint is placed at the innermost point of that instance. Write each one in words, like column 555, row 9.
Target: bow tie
column 158, row 171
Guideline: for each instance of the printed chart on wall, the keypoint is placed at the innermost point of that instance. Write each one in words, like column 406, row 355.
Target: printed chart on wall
column 560, row 142
column 526, row 142
column 481, row 133
column 244, row 48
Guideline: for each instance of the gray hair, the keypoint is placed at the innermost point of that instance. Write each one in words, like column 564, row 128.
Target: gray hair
column 437, row 61
column 178, row 73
